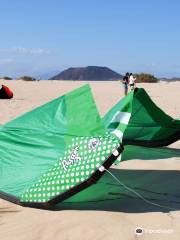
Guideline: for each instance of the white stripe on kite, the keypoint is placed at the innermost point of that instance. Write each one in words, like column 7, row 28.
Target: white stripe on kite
column 118, row 133
column 122, row 117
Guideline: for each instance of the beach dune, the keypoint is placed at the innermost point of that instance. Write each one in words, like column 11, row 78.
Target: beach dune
column 156, row 178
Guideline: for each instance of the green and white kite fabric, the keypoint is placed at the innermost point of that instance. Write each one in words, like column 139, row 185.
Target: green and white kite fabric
column 55, row 151
column 117, row 119
column 59, row 150
column 141, row 122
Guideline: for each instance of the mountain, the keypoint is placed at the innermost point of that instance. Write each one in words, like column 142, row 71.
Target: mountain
column 92, row 73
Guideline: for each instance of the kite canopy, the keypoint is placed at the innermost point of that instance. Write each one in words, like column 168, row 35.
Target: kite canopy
column 55, row 151
column 141, row 121
column 52, row 153
column 5, row 92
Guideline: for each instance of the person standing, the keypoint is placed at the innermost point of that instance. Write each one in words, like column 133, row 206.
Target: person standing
column 125, row 82
column 132, row 81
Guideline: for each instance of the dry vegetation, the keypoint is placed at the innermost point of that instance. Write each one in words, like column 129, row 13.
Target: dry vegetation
column 145, row 77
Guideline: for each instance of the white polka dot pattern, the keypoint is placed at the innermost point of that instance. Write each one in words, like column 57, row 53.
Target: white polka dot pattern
column 81, row 158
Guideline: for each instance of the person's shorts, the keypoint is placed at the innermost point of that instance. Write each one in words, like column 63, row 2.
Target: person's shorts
column 125, row 86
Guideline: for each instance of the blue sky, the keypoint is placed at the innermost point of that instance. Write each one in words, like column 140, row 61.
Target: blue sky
column 40, row 36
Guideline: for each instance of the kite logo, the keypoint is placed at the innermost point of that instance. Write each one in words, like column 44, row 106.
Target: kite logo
column 74, row 157
column 93, row 143
column 139, row 231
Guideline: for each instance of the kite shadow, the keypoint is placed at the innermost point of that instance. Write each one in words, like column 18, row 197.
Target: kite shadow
column 132, row 152
column 156, row 186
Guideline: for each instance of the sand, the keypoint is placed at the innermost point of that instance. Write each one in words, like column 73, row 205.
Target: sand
column 116, row 219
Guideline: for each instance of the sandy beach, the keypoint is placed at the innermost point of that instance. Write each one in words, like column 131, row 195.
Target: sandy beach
column 115, row 219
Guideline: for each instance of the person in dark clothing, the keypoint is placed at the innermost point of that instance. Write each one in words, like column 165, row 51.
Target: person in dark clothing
column 125, row 82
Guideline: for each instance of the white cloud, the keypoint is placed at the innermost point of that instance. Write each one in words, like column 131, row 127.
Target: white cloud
column 30, row 51
column 6, row 61
column 26, row 51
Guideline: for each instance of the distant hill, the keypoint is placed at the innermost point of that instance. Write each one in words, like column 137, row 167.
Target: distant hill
column 170, row 79
column 27, row 78
column 91, row 73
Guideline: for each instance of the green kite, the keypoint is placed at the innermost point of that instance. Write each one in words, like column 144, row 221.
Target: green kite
column 62, row 148
column 55, row 151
